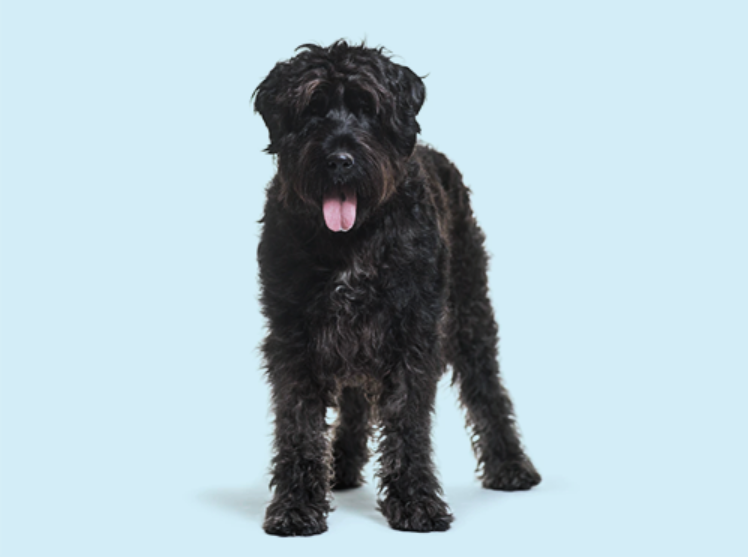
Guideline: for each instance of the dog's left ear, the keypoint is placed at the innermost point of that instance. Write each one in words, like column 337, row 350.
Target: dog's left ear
column 413, row 91
column 410, row 93
column 268, row 106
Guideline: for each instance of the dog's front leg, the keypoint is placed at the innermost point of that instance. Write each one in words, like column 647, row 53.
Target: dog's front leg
column 411, row 492
column 301, row 467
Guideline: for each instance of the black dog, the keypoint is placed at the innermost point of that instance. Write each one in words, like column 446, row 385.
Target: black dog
column 373, row 278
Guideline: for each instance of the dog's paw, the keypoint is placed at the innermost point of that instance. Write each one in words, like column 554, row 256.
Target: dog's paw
column 425, row 515
column 346, row 478
column 282, row 519
column 514, row 475
column 342, row 484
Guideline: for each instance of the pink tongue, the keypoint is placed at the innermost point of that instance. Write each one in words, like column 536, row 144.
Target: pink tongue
column 339, row 208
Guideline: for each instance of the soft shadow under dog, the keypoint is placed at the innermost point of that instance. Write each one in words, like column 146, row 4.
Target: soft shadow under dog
column 251, row 502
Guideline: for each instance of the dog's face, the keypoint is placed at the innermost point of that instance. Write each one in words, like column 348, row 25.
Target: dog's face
column 342, row 122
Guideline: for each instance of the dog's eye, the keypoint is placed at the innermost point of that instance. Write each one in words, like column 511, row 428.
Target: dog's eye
column 360, row 103
column 317, row 106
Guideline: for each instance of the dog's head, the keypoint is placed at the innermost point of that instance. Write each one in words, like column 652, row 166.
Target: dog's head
column 342, row 122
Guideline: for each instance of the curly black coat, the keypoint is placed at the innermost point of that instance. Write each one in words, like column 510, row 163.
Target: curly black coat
column 373, row 278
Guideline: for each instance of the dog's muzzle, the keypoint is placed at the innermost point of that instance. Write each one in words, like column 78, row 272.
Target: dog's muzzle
column 339, row 204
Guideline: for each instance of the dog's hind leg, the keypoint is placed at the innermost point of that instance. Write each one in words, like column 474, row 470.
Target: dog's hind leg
column 473, row 352
column 352, row 430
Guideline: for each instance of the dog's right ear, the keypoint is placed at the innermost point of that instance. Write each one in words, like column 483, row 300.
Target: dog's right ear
column 267, row 105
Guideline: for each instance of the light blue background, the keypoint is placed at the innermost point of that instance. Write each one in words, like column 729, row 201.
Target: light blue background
column 606, row 144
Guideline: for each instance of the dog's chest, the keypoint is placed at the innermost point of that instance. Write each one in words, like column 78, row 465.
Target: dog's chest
column 355, row 319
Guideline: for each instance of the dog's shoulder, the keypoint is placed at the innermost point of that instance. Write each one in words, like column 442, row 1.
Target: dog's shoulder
column 438, row 165
column 444, row 176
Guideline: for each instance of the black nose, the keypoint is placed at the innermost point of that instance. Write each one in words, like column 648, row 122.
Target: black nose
column 340, row 160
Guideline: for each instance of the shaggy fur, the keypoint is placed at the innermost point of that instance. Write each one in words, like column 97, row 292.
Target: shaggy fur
column 365, row 315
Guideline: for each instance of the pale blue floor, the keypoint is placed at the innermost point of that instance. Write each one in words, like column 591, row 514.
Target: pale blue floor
column 204, row 492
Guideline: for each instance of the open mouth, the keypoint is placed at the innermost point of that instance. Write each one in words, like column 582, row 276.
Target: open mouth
column 339, row 208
